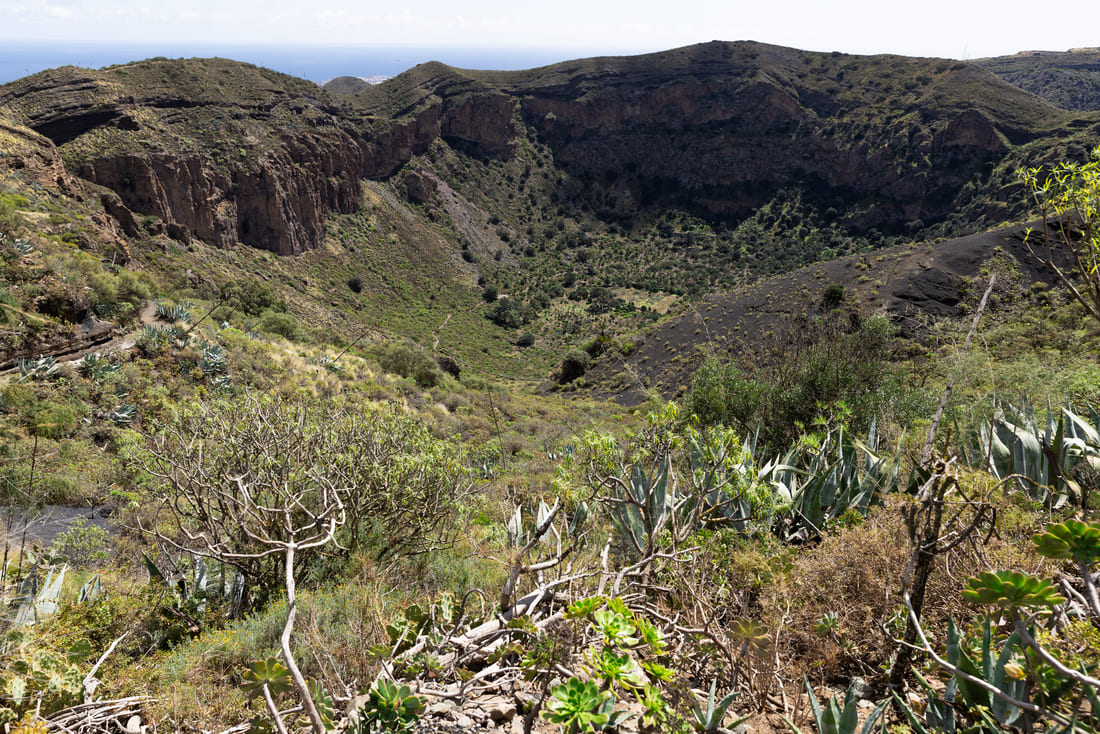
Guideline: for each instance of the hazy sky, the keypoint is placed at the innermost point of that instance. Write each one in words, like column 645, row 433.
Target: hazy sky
column 950, row 28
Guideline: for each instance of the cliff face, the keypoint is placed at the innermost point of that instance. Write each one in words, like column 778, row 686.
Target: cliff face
column 262, row 168
column 275, row 203
column 735, row 143
column 229, row 153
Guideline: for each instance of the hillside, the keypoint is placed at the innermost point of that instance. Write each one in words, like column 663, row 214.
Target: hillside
column 1067, row 79
column 541, row 400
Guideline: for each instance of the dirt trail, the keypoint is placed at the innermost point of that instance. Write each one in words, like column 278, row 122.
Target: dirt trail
column 146, row 315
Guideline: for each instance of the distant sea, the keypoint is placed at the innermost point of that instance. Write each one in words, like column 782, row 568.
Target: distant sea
column 318, row 64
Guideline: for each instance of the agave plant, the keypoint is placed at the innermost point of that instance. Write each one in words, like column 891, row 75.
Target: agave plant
column 709, row 720
column 37, row 369
column 123, row 415
column 1042, row 463
column 177, row 313
column 215, row 360
column 22, row 246
column 849, row 477
column 995, row 669
column 96, row 367
column 835, row 719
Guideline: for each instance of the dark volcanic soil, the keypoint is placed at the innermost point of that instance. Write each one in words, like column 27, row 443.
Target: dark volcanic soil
column 911, row 284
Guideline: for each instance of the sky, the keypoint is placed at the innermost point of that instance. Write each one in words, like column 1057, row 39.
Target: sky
column 963, row 29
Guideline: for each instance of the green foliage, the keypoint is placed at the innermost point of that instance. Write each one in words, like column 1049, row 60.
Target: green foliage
column 82, row 544
column 97, row 367
column 721, row 393
column 251, row 296
column 56, row 420
column 832, row 719
column 579, row 706
column 825, row 479
column 390, row 707
column 409, row 360
column 270, row 674
column 573, row 365
column 1071, row 539
column 995, row 669
column 36, row 678
column 708, row 720
column 40, row 368
column 281, row 323
column 1011, row 589
column 812, row 375
column 174, row 313
column 392, row 475
column 10, row 218
column 1068, row 197
column 584, row 607
column 833, row 296
column 1042, row 462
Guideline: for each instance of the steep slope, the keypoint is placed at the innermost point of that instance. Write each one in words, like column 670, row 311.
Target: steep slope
column 913, row 285
column 578, row 196
column 720, row 128
column 1067, row 79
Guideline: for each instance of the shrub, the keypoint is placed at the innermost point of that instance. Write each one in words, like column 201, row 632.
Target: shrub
column 55, row 420
column 356, row 284
column 10, row 219
column 509, row 313
column 409, row 360
column 833, row 296
column 526, row 339
column 575, row 363
column 281, row 323
column 84, row 545
column 818, row 370
column 252, row 296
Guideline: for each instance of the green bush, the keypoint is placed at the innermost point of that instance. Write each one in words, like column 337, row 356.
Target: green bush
column 409, row 360
column 575, row 363
column 833, row 296
column 252, row 296
column 721, row 393
column 832, row 372
column 83, row 545
column 10, row 219
column 57, row 420
column 281, row 323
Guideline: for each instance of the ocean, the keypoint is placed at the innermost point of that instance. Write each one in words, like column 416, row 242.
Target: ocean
column 316, row 63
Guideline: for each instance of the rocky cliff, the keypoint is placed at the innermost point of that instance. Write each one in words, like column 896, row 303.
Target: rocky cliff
column 230, row 153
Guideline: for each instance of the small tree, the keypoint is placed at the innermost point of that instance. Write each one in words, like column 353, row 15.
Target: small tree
column 260, row 483
column 1068, row 197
